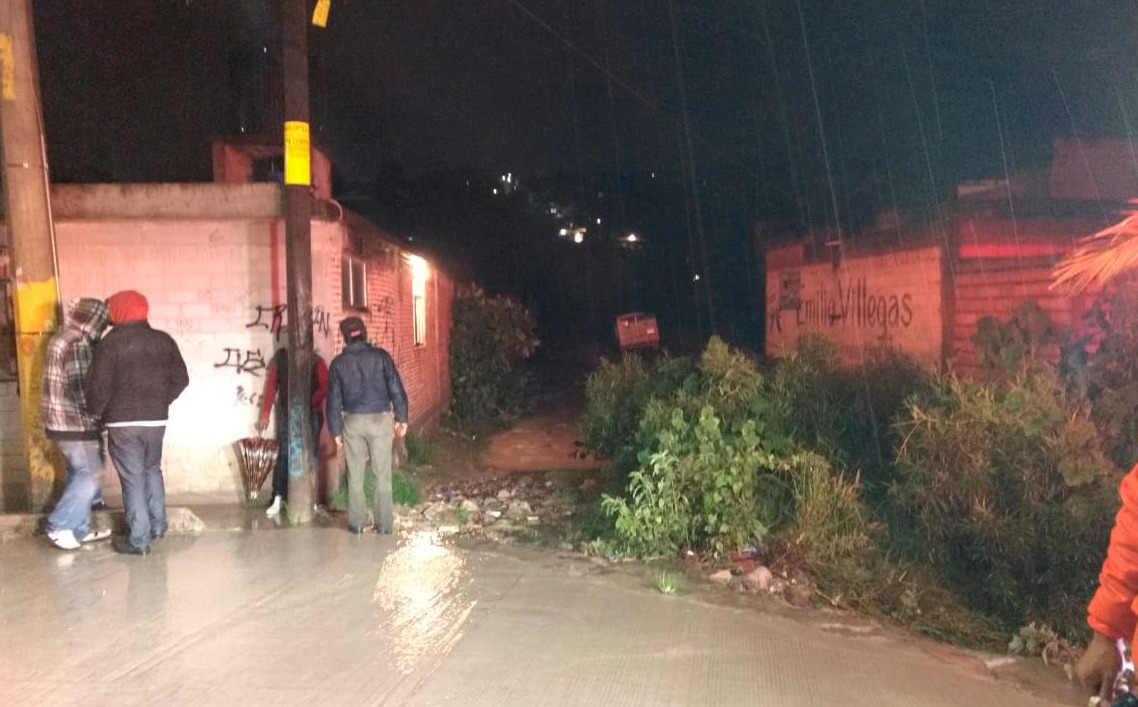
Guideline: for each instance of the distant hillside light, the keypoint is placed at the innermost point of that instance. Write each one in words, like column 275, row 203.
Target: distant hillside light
column 632, row 238
column 579, row 237
column 564, row 231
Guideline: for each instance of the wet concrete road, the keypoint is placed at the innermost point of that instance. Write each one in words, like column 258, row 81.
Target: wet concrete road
column 316, row 616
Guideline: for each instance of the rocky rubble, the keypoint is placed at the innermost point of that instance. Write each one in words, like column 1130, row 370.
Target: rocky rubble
column 745, row 575
column 498, row 509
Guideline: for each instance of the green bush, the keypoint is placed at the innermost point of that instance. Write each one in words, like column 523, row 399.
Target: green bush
column 1023, row 340
column 403, row 491
column 828, row 522
column 1109, row 378
column 1011, row 496
column 491, row 339
column 713, row 476
column 845, row 413
column 420, row 452
column 697, row 490
column 616, row 395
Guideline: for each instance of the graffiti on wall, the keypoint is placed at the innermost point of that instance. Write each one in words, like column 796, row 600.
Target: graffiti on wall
column 243, row 361
column 247, row 397
column 385, row 310
column 848, row 302
column 274, row 319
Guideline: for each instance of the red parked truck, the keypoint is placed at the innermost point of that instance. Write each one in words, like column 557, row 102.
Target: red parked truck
column 637, row 330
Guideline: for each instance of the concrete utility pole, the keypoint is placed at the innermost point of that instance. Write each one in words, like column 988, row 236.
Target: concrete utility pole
column 28, row 209
column 298, row 259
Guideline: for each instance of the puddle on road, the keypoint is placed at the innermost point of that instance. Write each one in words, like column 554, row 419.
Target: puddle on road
column 422, row 590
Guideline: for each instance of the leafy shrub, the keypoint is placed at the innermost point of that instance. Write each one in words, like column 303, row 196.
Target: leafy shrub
column 1110, row 377
column 1023, row 340
column 713, row 475
column 697, row 490
column 616, row 395
column 1008, row 489
column 491, row 338
column 846, row 413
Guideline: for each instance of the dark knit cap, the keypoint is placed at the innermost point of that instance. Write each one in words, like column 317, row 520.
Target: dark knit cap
column 128, row 306
column 353, row 329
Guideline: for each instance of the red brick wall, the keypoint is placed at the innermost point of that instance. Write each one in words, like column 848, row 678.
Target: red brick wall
column 390, row 320
column 998, row 287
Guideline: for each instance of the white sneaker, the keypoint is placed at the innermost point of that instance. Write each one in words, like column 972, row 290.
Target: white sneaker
column 63, row 539
column 95, row 535
column 275, row 508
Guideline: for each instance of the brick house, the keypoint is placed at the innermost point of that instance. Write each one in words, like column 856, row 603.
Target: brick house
column 210, row 259
column 923, row 287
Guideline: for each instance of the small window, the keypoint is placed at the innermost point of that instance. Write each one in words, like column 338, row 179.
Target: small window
column 420, row 320
column 420, row 271
column 353, row 276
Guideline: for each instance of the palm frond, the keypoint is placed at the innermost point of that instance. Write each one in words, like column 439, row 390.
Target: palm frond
column 1099, row 257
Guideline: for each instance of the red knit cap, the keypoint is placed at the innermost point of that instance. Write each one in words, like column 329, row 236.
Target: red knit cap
column 127, row 306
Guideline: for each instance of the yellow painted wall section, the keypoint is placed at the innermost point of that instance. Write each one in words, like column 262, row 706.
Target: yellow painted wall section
column 40, row 452
column 36, row 306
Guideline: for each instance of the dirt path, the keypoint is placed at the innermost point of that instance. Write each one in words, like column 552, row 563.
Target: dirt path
column 547, row 441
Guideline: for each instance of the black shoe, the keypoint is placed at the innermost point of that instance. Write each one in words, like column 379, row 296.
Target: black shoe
column 158, row 536
column 355, row 530
column 122, row 546
column 99, row 506
column 383, row 531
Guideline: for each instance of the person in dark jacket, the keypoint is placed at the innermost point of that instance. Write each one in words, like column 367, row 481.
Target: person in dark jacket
column 276, row 391
column 137, row 372
column 367, row 408
column 63, row 410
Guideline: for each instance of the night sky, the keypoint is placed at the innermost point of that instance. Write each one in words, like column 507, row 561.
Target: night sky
column 511, row 84
column 893, row 103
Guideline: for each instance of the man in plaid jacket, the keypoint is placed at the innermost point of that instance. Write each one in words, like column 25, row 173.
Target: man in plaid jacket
column 69, row 424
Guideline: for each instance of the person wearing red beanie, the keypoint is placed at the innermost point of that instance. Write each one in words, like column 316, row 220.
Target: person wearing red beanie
column 136, row 373
column 128, row 306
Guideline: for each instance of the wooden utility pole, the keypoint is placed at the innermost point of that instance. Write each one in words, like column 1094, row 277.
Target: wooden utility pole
column 28, row 211
column 298, row 259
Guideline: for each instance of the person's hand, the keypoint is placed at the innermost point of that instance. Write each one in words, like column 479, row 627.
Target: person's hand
column 261, row 425
column 1099, row 667
column 339, row 440
column 400, row 429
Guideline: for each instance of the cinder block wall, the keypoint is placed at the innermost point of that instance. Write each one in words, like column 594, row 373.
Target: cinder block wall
column 13, row 464
column 218, row 287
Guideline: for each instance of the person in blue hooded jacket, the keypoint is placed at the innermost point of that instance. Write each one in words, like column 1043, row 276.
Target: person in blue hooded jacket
column 367, row 409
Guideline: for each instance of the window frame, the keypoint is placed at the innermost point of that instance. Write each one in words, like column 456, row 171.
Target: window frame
column 353, row 283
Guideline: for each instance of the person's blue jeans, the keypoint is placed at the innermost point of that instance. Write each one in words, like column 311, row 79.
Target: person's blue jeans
column 84, row 468
column 137, row 454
